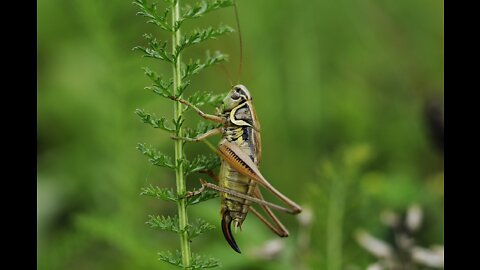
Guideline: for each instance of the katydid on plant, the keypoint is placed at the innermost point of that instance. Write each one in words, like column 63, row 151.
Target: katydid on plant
column 240, row 151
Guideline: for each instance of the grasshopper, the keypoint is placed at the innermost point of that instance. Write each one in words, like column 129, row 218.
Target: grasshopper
column 239, row 177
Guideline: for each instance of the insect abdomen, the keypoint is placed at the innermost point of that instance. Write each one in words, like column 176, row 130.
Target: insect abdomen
column 231, row 179
column 234, row 209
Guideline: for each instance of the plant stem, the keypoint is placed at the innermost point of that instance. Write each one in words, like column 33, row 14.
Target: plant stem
column 180, row 177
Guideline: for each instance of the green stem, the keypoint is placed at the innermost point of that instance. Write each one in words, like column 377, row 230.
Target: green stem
column 180, row 177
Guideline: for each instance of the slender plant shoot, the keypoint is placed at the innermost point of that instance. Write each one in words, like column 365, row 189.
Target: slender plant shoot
column 170, row 21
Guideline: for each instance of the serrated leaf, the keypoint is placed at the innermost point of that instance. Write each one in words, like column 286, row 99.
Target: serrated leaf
column 165, row 194
column 156, row 49
column 206, row 195
column 200, row 35
column 198, row 227
column 197, row 262
column 201, row 262
column 153, row 121
column 173, row 259
column 202, row 98
column 164, row 223
column 200, row 9
column 156, row 157
column 150, row 12
column 160, row 86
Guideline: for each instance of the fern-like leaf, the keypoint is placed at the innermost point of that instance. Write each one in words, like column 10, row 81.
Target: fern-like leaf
column 201, row 262
column 194, row 67
column 202, row 98
column 173, row 259
column 153, row 121
column 199, row 36
column 199, row 227
column 165, row 194
column 163, row 223
column 156, row 49
column 201, row 163
column 160, row 86
column 156, row 157
column 150, row 12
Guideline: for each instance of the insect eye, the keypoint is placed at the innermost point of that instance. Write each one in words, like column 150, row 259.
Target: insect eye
column 235, row 95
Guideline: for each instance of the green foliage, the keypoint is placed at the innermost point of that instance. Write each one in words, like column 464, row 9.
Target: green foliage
column 165, row 194
column 153, row 121
column 201, row 163
column 173, row 89
column 159, row 86
column 156, row 49
column 163, row 223
column 150, row 12
column 199, row 227
column 173, row 259
column 201, row 8
column 201, row 98
column 198, row 262
column 194, row 67
column 201, row 262
column 156, row 157
column 201, row 35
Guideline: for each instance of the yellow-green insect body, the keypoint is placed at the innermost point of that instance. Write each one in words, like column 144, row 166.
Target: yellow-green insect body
column 241, row 129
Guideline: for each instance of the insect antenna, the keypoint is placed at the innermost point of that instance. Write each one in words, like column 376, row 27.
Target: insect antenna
column 239, row 40
column 225, row 70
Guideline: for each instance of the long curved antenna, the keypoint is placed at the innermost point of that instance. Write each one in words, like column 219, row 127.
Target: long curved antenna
column 240, row 40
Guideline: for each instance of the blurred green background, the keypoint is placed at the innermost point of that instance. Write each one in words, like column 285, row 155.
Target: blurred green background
column 344, row 91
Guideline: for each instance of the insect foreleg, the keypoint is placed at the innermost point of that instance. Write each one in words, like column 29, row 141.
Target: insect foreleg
column 197, row 192
column 206, row 116
column 200, row 137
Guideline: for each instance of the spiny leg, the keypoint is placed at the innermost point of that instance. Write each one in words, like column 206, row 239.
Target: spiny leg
column 278, row 227
column 276, row 230
column 239, row 195
column 206, row 116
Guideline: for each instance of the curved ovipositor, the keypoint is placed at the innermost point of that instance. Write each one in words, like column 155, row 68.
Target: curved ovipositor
column 227, row 231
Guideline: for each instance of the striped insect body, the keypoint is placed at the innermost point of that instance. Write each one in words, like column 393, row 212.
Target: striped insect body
column 239, row 178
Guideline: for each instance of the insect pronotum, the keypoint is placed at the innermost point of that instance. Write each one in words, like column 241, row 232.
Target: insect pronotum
column 240, row 151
